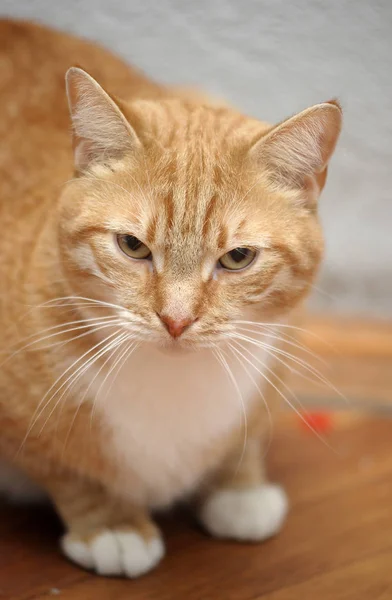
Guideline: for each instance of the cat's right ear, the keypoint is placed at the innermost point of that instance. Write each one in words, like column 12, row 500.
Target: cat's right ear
column 299, row 149
column 100, row 130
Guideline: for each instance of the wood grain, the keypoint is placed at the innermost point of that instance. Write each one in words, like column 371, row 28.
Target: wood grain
column 337, row 544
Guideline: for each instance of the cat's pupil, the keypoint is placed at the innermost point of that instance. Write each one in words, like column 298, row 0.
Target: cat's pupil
column 132, row 242
column 238, row 254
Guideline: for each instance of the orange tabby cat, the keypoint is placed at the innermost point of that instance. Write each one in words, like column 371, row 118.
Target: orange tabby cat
column 145, row 290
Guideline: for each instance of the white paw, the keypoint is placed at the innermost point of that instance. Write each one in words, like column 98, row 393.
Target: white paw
column 252, row 514
column 114, row 552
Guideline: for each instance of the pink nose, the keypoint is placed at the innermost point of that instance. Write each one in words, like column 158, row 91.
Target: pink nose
column 175, row 326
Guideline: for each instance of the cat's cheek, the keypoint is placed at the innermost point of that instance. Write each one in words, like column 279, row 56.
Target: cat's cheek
column 83, row 257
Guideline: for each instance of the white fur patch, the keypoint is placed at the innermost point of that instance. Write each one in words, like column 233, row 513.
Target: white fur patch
column 114, row 552
column 253, row 514
column 84, row 257
column 164, row 413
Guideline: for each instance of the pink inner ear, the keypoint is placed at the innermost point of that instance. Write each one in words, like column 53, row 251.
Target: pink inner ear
column 83, row 154
column 101, row 131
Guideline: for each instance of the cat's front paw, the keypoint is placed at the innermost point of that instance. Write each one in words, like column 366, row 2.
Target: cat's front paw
column 122, row 552
column 252, row 514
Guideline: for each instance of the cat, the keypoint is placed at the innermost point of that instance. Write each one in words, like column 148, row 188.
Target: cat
column 150, row 271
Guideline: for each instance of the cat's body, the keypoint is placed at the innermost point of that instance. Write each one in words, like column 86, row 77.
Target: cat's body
column 183, row 416
column 37, row 145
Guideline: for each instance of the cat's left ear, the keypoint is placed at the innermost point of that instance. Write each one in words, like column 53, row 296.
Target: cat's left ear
column 100, row 130
column 298, row 150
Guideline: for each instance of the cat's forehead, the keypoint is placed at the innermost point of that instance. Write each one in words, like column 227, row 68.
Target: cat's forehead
column 178, row 124
column 192, row 165
column 195, row 194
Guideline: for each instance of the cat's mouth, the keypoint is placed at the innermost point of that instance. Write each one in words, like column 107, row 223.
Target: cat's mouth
column 189, row 344
column 185, row 344
column 176, row 349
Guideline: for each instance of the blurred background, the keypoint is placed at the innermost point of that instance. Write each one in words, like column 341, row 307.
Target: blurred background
column 273, row 58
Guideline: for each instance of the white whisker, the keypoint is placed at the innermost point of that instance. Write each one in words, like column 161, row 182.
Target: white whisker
column 115, row 370
column 81, row 335
column 241, row 359
column 284, row 397
column 272, row 372
column 46, row 402
column 92, row 300
column 278, row 352
column 73, row 378
column 112, row 348
column 68, row 323
column 272, row 335
column 219, row 355
column 125, row 354
column 61, row 343
column 287, row 326
column 99, row 325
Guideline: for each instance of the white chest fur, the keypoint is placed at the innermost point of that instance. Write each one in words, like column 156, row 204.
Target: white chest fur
column 165, row 413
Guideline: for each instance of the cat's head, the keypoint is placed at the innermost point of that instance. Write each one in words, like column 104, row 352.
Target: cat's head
column 192, row 217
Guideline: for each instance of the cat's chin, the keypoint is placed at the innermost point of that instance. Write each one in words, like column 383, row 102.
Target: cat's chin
column 176, row 349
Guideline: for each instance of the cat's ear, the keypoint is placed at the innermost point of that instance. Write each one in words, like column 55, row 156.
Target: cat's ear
column 100, row 130
column 300, row 148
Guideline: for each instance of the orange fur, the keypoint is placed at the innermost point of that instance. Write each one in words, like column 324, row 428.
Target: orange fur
column 192, row 179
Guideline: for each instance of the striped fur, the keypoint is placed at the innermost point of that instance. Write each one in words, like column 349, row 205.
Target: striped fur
column 192, row 179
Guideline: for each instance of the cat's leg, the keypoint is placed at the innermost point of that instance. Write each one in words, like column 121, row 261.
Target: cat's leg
column 104, row 534
column 239, row 503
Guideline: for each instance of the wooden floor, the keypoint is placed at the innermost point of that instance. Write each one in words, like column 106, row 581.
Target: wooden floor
column 337, row 544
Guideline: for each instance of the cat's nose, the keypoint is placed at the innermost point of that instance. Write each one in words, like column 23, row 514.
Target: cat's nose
column 175, row 326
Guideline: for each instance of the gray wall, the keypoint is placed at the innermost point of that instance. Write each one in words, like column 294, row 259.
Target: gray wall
column 273, row 58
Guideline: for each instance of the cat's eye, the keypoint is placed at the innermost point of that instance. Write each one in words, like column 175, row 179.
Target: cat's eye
column 237, row 259
column 133, row 247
